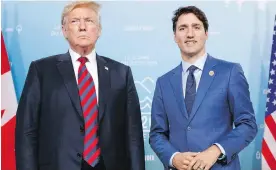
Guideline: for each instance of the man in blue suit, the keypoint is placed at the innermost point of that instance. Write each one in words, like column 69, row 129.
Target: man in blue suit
column 79, row 110
column 196, row 104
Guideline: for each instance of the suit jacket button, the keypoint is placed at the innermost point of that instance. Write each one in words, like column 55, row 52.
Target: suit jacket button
column 189, row 128
column 81, row 129
column 78, row 155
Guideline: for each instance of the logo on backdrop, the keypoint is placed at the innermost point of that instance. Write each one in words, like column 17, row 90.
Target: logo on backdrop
column 18, row 28
column 145, row 89
column 56, row 31
column 143, row 60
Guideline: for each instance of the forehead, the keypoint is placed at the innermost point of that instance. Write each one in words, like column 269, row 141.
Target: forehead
column 82, row 12
column 188, row 19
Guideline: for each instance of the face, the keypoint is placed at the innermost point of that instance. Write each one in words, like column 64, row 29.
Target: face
column 81, row 27
column 190, row 35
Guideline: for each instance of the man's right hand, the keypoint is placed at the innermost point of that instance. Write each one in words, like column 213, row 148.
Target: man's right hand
column 181, row 161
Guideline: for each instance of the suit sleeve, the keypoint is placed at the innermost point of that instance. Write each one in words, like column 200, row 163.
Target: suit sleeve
column 159, row 133
column 27, row 120
column 135, row 130
column 243, row 115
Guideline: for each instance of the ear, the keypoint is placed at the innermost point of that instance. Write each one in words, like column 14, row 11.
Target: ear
column 175, row 39
column 207, row 35
column 64, row 31
column 99, row 31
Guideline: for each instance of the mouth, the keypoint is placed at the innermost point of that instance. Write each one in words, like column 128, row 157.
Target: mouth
column 190, row 42
column 83, row 37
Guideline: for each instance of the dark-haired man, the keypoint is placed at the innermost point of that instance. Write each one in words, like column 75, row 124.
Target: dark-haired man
column 196, row 104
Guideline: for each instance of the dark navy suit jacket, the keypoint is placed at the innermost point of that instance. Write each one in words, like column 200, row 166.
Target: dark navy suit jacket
column 49, row 120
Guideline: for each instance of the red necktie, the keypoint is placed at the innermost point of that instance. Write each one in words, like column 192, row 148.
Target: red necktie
column 88, row 97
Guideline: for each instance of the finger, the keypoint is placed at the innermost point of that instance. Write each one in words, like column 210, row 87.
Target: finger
column 186, row 162
column 184, row 167
column 197, row 164
column 202, row 166
column 191, row 164
column 189, row 158
column 180, row 166
column 207, row 167
column 193, row 153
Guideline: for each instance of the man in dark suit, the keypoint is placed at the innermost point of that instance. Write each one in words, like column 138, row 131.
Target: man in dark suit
column 196, row 104
column 79, row 110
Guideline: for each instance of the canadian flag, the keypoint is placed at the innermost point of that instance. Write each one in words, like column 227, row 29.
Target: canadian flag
column 8, row 111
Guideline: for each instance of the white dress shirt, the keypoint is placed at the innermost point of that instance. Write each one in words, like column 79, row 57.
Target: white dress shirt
column 91, row 66
column 197, row 74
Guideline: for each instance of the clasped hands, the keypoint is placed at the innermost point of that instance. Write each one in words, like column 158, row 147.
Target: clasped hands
column 196, row 160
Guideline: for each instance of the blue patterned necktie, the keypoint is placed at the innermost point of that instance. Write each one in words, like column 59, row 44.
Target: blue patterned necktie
column 190, row 92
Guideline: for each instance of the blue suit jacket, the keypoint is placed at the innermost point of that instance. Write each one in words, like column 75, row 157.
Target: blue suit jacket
column 222, row 100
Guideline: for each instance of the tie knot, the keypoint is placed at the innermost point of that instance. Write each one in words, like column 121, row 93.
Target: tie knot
column 192, row 68
column 83, row 60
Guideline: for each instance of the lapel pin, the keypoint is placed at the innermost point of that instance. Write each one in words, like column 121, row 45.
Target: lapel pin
column 105, row 67
column 211, row 73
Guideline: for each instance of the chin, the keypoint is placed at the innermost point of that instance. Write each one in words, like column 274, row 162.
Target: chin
column 84, row 44
column 190, row 52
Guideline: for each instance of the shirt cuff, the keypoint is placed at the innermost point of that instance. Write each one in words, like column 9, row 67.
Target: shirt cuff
column 171, row 164
column 222, row 151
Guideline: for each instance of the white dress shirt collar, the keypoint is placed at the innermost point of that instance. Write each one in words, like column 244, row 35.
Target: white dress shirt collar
column 75, row 56
column 199, row 63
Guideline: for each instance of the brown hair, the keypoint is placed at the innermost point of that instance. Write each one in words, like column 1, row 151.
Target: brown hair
column 190, row 9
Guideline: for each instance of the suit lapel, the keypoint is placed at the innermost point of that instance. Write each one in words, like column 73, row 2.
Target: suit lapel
column 176, row 82
column 104, row 84
column 65, row 68
column 205, row 81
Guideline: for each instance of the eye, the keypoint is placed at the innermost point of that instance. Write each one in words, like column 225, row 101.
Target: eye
column 74, row 21
column 90, row 20
column 197, row 27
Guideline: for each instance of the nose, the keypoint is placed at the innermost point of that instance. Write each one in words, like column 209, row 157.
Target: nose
column 190, row 33
column 82, row 26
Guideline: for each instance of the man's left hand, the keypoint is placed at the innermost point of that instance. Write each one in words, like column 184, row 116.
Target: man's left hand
column 206, row 159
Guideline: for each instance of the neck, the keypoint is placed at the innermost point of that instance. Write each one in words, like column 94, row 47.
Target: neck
column 83, row 51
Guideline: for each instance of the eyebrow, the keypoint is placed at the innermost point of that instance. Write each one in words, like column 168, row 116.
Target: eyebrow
column 185, row 25
column 80, row 18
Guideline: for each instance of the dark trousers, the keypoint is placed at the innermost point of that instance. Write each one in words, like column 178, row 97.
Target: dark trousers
column 99, row 166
